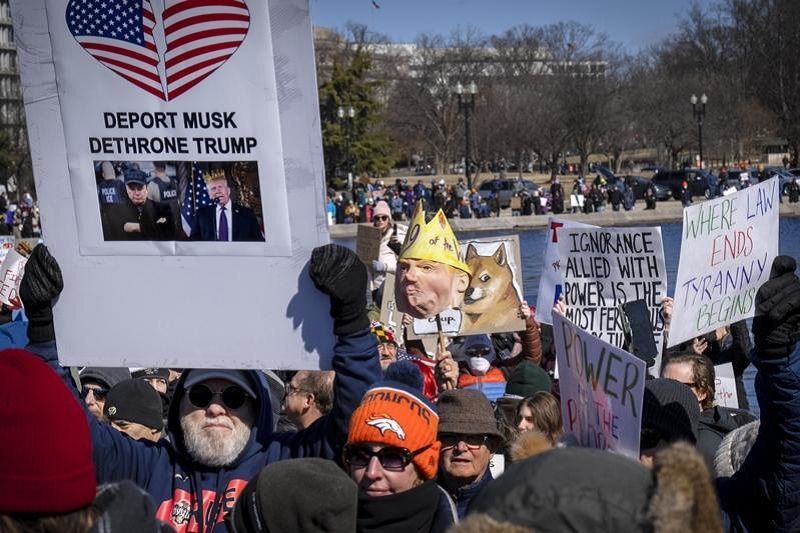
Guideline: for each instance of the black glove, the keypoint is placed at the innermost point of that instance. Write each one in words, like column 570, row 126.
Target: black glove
column 339, row 273
column 41, row 284
column 776, row 326
column 395, row 246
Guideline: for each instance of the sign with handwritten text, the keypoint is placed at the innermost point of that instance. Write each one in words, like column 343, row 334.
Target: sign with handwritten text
column 551, row 281
column 727, row 250
column 725, row 393
column 602, row 390
column 603, row 268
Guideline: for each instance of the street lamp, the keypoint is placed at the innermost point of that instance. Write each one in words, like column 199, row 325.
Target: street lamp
column 346, row 116
column 699, row 112
column 466, row 103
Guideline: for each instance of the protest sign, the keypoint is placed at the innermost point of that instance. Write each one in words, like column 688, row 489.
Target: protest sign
column 492, row 300
column 551, row 279
column 602, row 390
column 6, row 244
column 368, row 243
column 390, row 316
column 11, row 272
column 727, row 249
column 725, row 393
column 240, row 123
column 606, row 267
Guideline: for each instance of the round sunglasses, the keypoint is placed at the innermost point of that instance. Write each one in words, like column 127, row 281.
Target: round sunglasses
column 233, row 397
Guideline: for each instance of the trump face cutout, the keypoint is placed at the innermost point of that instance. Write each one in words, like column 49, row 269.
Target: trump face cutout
column 425, row 287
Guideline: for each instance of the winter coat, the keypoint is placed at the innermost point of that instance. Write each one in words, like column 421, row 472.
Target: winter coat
column 765, row 493
column 463, row 496
column 181, row 487
column 712, row 427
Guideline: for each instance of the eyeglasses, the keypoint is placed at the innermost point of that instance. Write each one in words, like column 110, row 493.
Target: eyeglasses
column 380, row 217
column 233, row 397
column 289, row 389
column 99, row 393
column 478, row 351
column 390, row 458
column 473, row 442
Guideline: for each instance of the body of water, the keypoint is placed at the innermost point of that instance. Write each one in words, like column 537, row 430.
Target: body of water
column 532, row 244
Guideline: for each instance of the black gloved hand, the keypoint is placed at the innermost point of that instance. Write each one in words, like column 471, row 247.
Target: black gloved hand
column 339, row 273
column 776, row 326
column 41, row 284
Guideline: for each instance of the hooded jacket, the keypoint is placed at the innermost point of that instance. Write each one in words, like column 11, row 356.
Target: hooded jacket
column 192, row 497
column 712, row 427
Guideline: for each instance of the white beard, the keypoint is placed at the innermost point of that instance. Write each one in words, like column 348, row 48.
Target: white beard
column 214, row 450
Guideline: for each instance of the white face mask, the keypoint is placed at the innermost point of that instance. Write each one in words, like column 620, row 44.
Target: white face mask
column 479, row 365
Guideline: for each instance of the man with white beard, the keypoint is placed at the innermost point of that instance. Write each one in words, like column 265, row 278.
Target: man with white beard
column 220, row 421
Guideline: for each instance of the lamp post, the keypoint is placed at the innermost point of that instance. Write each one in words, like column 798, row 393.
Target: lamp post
column 466, row 103
column 346, row 116
column 699, row 112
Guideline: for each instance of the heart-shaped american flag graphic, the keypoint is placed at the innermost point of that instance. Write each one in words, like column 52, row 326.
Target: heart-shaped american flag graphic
column 199, row 36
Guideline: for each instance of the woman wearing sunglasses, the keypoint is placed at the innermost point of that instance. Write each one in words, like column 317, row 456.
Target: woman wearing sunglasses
column 392, row 454
column 392, row 236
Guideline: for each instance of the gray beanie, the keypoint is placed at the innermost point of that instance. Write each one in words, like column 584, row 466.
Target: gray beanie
column 672, row 409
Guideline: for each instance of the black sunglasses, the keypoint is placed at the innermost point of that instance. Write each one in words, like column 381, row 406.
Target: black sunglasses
column 390, row 458
column 473, row 442
column 380, row 217
column 99, row 394
column 233, row 397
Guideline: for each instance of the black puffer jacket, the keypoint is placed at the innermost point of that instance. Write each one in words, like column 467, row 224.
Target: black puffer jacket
column 712, row 427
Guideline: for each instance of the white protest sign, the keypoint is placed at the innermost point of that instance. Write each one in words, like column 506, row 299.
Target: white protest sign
column 602, row 390
column 725, row 393
column 247, row 113
column 6, row 245
column 606, row 267
column 551, row 280
column 11, row 272
column 727, row 250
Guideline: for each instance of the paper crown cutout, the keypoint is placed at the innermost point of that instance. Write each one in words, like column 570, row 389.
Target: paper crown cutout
column 433, row 241
column 214, row 175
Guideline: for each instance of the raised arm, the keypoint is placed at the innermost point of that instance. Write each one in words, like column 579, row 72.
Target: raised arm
column 115, row 455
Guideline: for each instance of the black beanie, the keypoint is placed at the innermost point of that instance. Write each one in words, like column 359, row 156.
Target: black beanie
column 134, row 400
column 672, row 409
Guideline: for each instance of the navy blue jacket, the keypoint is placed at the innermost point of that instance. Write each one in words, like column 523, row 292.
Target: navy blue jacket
column 243, row 219
column 463, row 496
column 180, row 487
column 764, row 495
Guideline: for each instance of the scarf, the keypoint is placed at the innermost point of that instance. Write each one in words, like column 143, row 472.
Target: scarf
column 404, row 512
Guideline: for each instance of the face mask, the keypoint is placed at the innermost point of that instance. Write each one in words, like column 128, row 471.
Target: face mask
column 479, row 365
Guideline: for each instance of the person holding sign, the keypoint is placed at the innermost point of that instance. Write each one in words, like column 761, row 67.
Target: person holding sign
column 136, row 217
column 431, row 277
column 392, row 236
column 220, row 421
column 225, row 220
column 764, row 494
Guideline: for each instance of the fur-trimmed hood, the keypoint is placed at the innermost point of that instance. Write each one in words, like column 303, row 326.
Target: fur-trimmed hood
column 579, row 489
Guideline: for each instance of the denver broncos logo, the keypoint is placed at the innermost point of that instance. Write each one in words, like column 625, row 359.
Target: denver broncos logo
column 385, row 423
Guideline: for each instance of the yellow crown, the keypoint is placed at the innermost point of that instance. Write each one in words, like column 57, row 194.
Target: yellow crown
column 434, row 241
column 214, row 175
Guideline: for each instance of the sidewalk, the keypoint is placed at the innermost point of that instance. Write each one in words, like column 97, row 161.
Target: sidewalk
column 668, row 211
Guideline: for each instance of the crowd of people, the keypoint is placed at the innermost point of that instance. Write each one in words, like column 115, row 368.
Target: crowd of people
column 395, row 438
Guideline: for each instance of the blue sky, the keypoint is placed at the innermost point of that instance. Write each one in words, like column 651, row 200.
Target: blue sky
column 633, row 23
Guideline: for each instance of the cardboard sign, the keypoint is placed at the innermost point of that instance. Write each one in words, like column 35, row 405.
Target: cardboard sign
column 516, row 203
column 390, row 316
column 11, row 272
column 368, row 243
column 251, row 115
column 492, row 299
column 606, row 267
column 6, row 245
column 727, row 249
column 725, row 393
column 551, row 279
column 602, row 390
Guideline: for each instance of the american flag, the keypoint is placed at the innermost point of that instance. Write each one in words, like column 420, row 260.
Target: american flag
column 200, row 36
column 195, row 197
column 119, row 34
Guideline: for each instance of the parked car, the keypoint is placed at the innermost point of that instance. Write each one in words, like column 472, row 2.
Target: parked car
column 640, row 183
column 697, row 179
column 785, row 176
column 507, row 189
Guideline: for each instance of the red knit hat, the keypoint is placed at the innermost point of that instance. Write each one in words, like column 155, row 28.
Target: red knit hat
column 46, row 465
